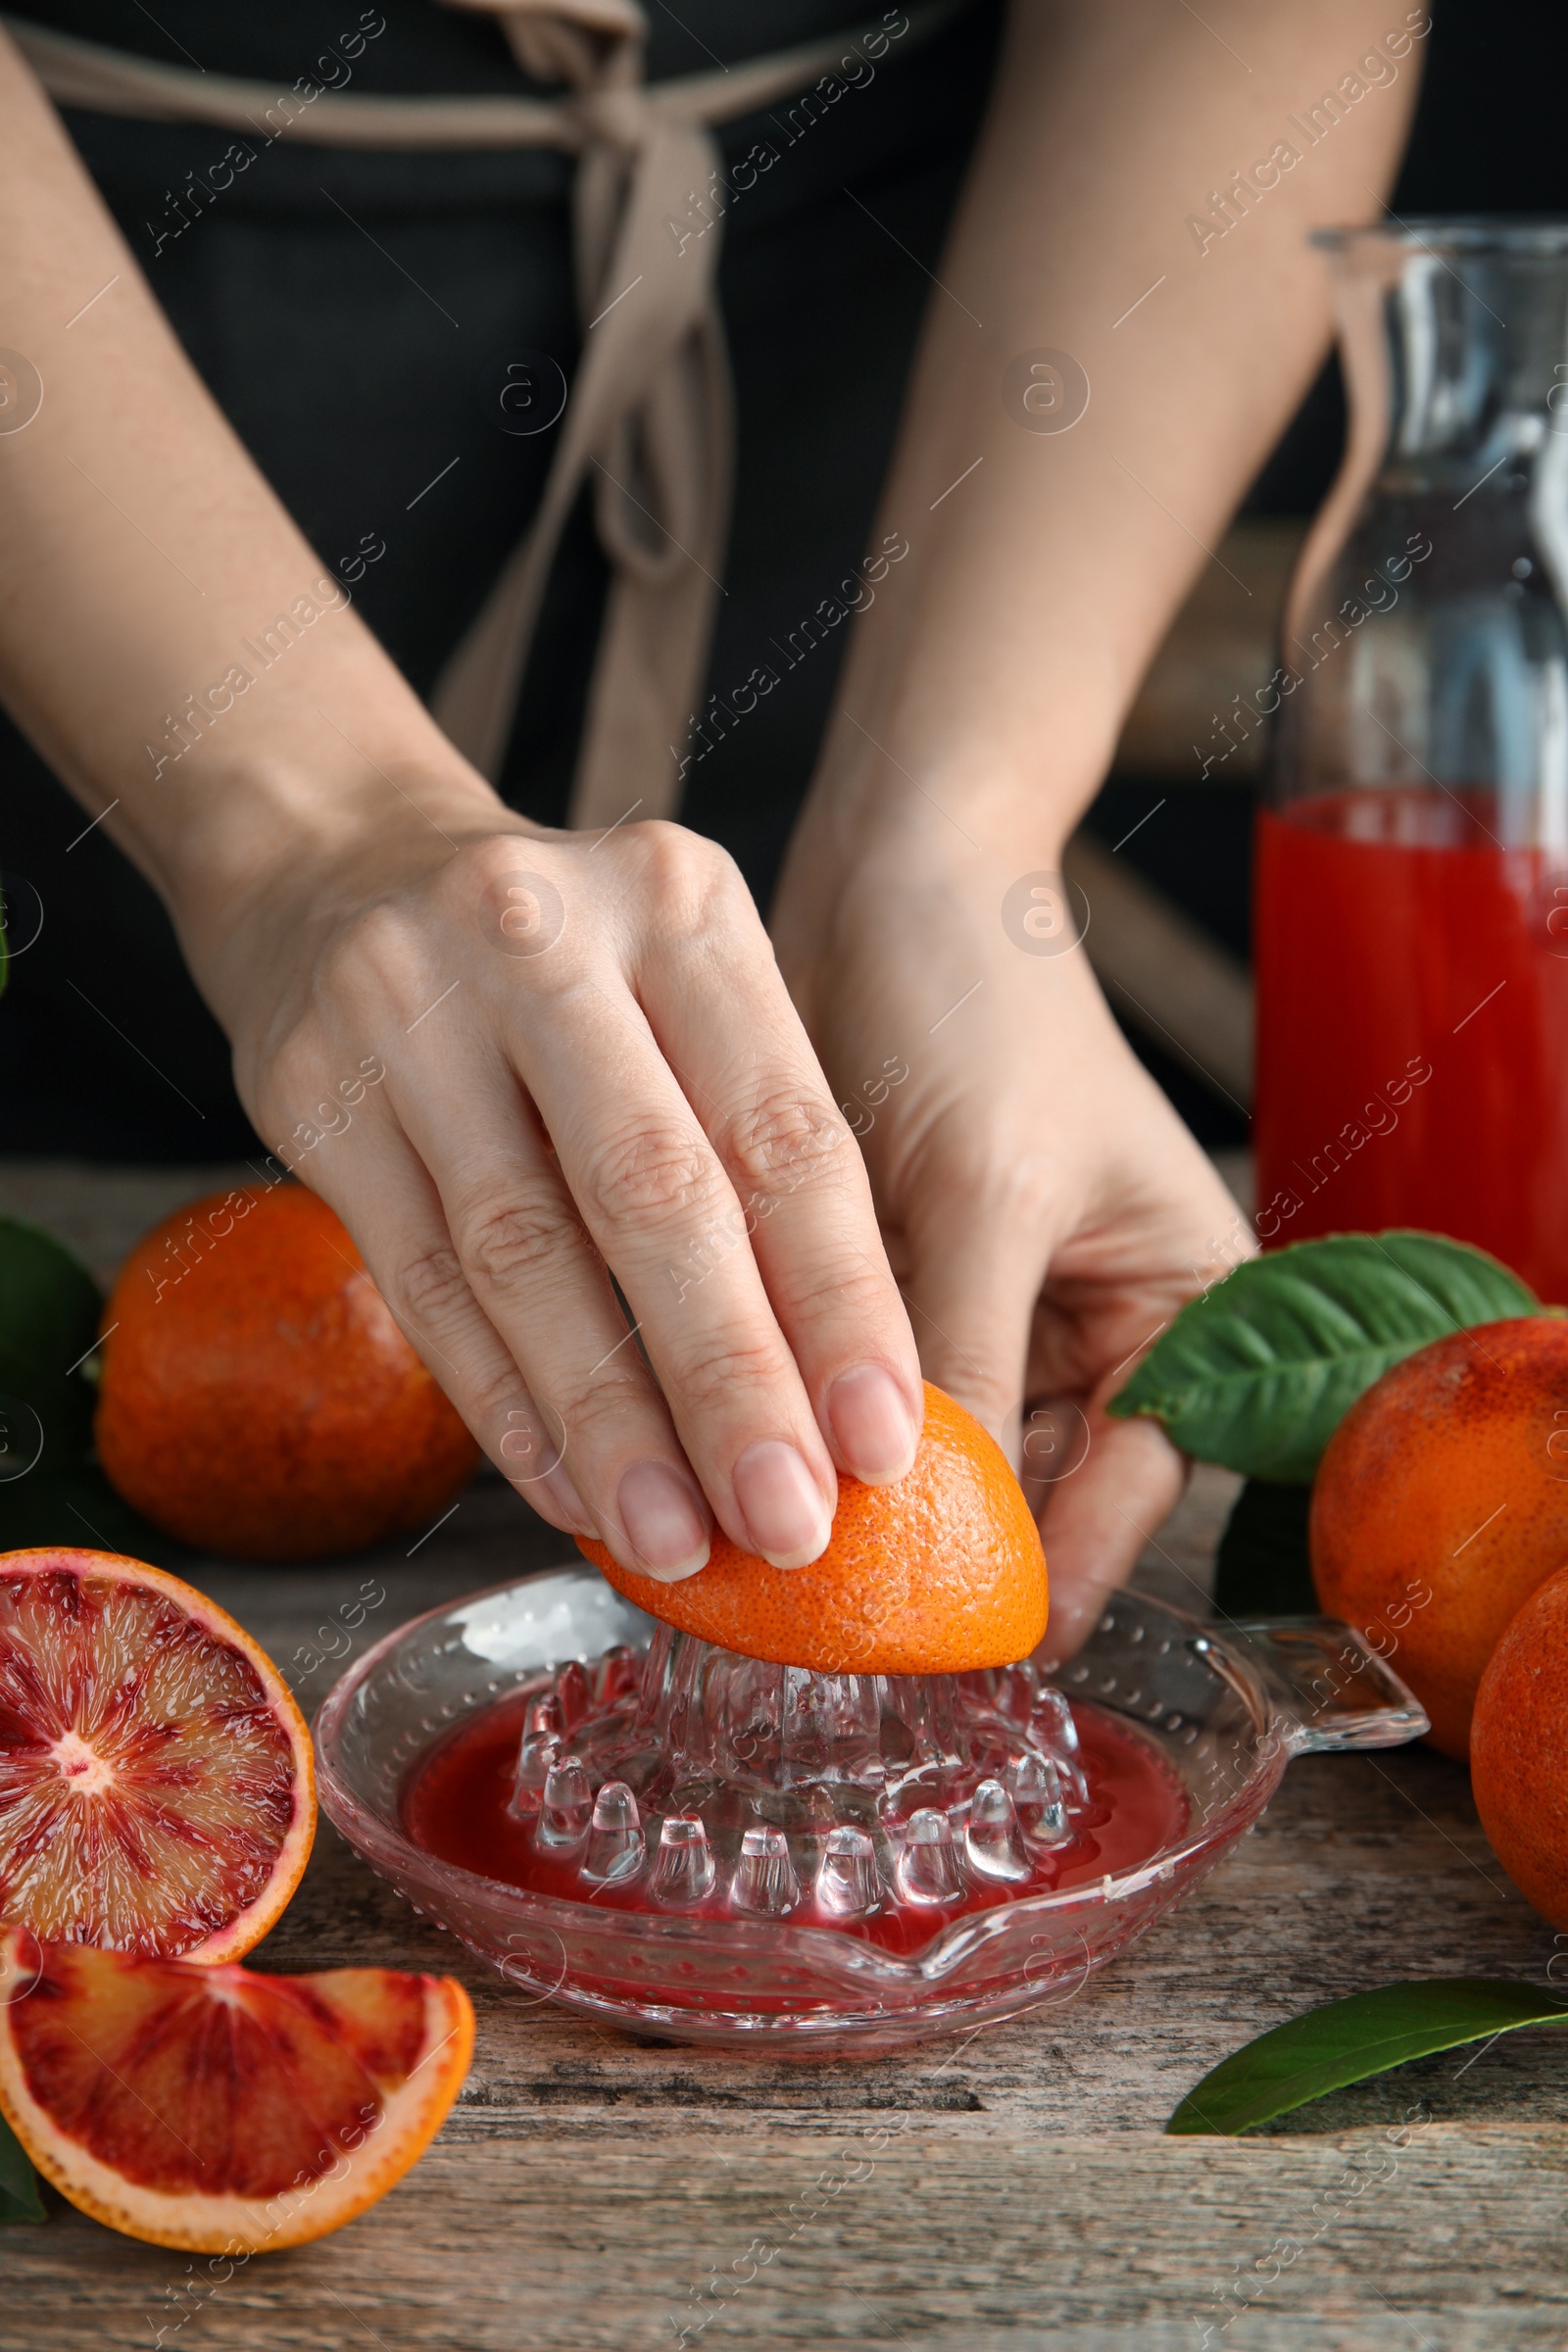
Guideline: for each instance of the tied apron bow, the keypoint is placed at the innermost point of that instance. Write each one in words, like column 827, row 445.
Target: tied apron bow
column 650, row 422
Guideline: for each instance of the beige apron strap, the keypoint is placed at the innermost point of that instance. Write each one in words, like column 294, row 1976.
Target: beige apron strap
column 114, row 81
column 649, row 421
column 650, row 428
column 652, row 412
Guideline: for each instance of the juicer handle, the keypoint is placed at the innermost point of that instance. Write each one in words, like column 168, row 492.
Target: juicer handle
column 1331, row 1689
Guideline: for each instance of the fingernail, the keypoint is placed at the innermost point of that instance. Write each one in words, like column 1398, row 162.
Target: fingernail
column 870, row 1417
column 663, row 1523
column 786, row 1519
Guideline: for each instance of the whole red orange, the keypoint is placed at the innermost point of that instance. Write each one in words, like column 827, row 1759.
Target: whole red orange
column 1519, row 1749
column 257, row 1398
column 1442, row 1502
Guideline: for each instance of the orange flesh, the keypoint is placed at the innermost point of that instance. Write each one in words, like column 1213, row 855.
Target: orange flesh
column 147, row 1784
column 215, row 2081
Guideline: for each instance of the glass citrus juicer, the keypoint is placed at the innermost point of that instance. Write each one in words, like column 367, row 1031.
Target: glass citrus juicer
column 687, row 1843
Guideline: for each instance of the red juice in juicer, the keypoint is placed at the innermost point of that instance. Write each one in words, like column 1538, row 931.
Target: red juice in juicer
column 669, row 1837
column 1411, row 894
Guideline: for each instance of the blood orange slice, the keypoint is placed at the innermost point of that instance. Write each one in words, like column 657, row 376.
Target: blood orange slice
column 217, row 2110
column 155, row 1786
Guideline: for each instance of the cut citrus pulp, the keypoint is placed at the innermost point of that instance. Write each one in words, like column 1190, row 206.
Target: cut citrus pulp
column 157, row 1793
column 217, row 2110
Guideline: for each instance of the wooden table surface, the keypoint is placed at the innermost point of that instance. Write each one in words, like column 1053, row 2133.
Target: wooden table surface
column 1013, row 2189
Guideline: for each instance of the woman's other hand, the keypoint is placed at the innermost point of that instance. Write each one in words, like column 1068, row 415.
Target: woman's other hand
column 1045, row 1208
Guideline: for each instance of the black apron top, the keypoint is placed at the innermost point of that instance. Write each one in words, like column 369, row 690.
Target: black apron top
column 350, row 311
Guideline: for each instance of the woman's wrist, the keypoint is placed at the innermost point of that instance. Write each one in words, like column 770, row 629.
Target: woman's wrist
column 269, row 833
column 890, row 775
column 975, row 826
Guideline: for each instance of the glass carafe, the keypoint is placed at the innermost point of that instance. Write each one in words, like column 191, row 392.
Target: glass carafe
column 1412, row 895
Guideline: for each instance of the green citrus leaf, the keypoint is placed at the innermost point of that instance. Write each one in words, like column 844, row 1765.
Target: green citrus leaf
column 19, row 2200
column 1259, row 1372
column 49, row 1311
column 1346, row 2041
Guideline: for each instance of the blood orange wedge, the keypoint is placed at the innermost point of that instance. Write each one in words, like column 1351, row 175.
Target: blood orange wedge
column 215, row 2109
column 940, row 1573
column 156, row 1788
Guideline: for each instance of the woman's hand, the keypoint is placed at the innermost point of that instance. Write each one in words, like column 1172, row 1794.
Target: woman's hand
column 590, row 1060
column 1045, row 1211
column 507, row 1059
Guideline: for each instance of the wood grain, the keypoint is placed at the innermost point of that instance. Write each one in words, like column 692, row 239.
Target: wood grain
column 1013, row 2189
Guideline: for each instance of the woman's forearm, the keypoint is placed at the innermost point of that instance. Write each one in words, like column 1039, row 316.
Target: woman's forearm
column 1049, row 548
column 167, row 638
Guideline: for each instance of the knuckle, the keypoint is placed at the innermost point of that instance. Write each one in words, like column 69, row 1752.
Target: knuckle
column 846, row 1289
column 692, row 882
column 598, row 1408
column 289, row 1071
column 427, row 1287
column 375, row 946
column 717, row 1380
column 782, row 1138
column 502, row 1242
column 489, row 1393
column 660, row 1171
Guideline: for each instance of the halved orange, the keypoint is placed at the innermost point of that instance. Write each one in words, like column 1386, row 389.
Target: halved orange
column 157, row 1793
column 217, row 2110
column 940, row 1573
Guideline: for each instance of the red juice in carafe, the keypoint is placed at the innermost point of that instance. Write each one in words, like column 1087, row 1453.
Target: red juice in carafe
column 1412, row 999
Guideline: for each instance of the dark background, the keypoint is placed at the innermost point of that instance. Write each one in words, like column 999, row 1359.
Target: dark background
column 1488, row 138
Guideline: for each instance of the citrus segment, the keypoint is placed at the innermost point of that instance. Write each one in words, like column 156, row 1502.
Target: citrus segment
column 257, row 1398
column 941, row 1573
column 217, row 2110
column 157, row 1793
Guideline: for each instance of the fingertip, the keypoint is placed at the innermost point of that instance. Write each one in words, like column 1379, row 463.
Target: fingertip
column 873, row 1424
column 663, row 1524
column 681, row 1570
column 787, row 1520
column 1073, row 1619
column 555, row 1499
